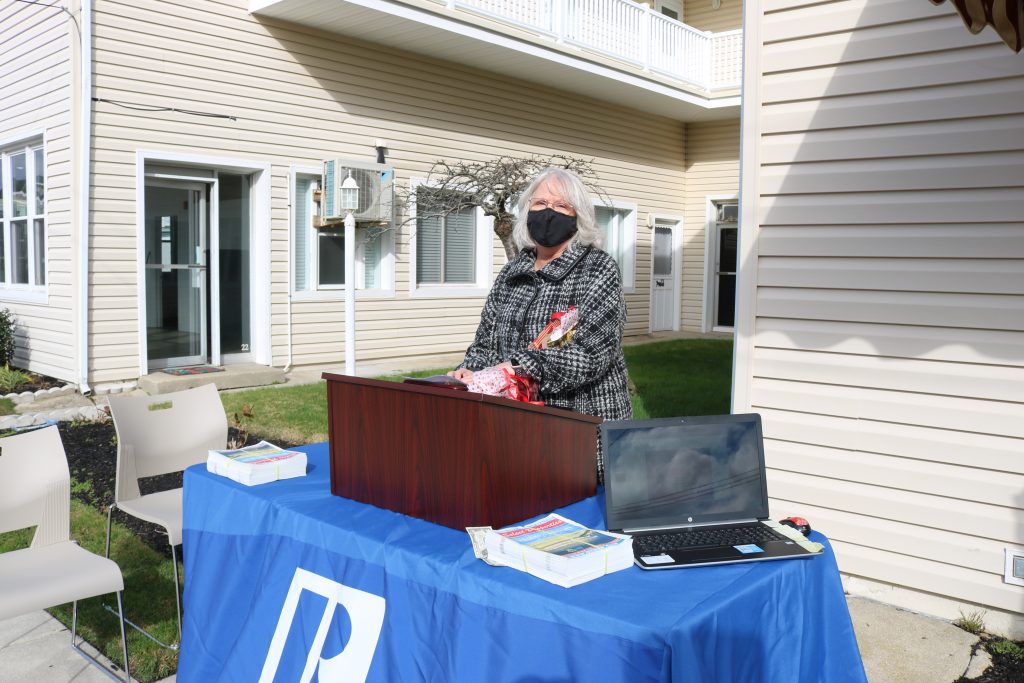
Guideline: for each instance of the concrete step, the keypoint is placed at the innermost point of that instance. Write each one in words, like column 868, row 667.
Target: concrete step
column 233, row 377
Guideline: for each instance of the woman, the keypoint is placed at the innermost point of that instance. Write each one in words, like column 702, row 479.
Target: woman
column 560, row 264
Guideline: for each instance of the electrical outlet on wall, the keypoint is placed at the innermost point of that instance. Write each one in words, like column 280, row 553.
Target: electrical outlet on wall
column 1013, row 569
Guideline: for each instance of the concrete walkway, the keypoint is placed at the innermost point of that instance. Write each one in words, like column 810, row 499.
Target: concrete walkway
column 897, row 647
column 36, row 648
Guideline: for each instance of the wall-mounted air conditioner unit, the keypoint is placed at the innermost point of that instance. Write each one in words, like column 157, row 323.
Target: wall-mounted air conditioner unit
column 376, row 191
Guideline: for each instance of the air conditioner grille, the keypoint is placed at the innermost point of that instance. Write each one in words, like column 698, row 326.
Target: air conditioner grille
column 376, row 191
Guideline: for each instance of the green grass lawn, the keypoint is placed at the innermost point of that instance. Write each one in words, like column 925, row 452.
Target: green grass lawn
column 293, row 415
column 7, row 407
column 673, row 378
column 681, row 377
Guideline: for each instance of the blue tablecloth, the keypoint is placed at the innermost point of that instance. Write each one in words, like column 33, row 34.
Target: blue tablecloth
column 265, row 565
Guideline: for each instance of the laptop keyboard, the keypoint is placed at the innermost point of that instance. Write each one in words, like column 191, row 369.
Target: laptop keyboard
column 648, row 544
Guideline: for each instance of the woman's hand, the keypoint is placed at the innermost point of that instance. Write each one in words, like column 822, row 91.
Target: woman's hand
column 462, row 374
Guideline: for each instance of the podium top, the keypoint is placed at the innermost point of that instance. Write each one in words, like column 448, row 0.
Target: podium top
column 452, row 394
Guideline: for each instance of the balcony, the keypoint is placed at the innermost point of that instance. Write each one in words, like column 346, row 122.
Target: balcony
column 613, row 50
column 624, row 30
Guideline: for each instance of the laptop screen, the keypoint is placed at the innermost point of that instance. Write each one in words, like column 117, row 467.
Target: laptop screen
column 683, row 471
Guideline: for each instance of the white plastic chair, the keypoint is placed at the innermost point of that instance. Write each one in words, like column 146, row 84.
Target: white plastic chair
column 35, row 490
column 159, row 435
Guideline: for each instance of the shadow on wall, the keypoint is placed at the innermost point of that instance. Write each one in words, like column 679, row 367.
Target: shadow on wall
column 890, row 296
column 465, row 110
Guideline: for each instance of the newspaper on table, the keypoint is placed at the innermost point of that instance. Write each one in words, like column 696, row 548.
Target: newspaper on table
column 559, row 550
column 257, row 464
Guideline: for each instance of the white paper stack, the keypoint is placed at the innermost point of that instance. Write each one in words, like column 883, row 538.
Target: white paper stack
column 559, row 550
column 257, row 464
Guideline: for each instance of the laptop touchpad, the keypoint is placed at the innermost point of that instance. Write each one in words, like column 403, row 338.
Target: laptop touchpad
column 705, row 554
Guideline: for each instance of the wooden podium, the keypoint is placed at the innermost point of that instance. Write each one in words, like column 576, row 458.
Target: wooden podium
column 454, row 457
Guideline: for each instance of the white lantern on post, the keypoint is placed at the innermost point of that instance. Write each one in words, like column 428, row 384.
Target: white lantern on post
column 349, row 194
column 349, row 203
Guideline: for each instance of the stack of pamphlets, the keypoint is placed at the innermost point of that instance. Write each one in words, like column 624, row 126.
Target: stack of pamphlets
column 559, row 550
column 257, row 464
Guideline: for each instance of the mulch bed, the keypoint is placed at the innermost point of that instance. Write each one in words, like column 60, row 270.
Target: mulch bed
column 1004, row 669
column 37, row 382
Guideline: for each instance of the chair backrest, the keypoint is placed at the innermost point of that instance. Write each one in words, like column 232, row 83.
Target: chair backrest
column 35, row 485
column 164, row 433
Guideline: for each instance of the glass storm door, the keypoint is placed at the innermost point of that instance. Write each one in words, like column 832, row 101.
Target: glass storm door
column 662, row 280
column 176, row 273
column 233, row 256
column 725, row 264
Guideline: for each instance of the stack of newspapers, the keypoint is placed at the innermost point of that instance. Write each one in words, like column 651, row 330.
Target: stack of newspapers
column 559, row 550
column 257, row 464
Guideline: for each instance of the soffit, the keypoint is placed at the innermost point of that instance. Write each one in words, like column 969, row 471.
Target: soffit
column 509, row 52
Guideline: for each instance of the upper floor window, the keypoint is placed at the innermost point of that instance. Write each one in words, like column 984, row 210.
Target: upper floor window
column 618, row 224
column 318, row 263
column 23, row 215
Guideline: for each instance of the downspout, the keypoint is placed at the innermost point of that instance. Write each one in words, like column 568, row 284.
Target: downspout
column 291, row 225
column 84, row 155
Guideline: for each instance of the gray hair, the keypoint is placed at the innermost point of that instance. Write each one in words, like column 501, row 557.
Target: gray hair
column 572, row 190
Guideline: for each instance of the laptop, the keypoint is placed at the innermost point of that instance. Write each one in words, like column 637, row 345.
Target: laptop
column 691, row 491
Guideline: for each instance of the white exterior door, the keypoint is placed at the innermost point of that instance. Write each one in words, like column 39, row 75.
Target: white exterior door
column 664, row 279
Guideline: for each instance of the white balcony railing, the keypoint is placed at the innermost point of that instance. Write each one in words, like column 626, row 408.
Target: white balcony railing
column 627, row 31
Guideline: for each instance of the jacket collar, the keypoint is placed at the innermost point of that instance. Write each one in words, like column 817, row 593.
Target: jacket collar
column 553, row 272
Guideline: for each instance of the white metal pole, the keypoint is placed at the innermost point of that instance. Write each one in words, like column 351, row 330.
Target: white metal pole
column 350, row 294
column 84, row 183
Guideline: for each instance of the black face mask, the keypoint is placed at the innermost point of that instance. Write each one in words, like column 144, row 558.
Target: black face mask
column 549, row 228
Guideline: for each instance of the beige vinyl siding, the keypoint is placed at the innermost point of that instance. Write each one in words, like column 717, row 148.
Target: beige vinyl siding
column 702, row 15
column 712, row 170
column 301, row 96
column 36, row 96
column 886, row 347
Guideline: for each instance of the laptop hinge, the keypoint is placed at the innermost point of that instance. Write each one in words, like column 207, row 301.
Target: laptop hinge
column 673, row 527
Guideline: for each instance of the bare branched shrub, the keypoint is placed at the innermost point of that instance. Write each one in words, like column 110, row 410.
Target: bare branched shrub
column 494, row 185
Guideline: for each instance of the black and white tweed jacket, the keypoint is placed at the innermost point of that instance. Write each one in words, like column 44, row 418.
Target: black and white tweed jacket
column 588, row 374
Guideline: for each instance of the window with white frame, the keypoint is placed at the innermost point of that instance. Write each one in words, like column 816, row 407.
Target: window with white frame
column 318, row 255
column 23, row 215
column 452, row 246
column 618, row 225
column 446, row 247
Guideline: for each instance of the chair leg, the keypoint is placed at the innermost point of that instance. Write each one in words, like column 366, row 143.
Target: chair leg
column 93, row 660
column 124, row 636
column 110, row 510
column 120, row 608
column 177, row 590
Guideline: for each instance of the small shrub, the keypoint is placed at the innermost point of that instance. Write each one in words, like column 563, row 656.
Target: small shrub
column 241, row 424
column 6, row 337
column 973, row 622
column 1007, row 648
column 12, row 379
